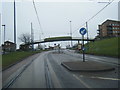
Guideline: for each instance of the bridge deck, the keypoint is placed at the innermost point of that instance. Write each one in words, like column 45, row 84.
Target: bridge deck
column 44, row 41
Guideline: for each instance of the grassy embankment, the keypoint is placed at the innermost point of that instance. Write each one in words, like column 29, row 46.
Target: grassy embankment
column 106, row 47
column 13, row 57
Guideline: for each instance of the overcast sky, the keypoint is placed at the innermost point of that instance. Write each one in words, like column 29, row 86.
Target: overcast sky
column 55, row 16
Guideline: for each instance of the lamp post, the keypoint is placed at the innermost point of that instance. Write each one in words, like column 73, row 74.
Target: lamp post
column 87, row 30
column 32, row 36
column 71, row 33
column 14, row 25
column 4, row 32
column 87, row 34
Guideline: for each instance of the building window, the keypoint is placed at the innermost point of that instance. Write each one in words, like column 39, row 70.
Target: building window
column 112, row 24
column 117, row 24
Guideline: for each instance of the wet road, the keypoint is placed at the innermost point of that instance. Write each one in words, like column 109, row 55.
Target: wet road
column 46, row 71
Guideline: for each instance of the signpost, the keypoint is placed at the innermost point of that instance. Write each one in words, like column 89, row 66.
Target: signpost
column 83, row 32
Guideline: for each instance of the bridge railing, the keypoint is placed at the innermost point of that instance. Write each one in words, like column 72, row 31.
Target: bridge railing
column 61, row 39
column 81, row 38
column 42, row 40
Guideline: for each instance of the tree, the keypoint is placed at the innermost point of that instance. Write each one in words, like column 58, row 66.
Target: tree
column 25, row 37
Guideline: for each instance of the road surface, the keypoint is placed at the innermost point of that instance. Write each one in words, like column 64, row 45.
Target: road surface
column 46, row 71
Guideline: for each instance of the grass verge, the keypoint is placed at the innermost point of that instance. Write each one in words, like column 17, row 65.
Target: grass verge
column 106, row 47
column 13, row 57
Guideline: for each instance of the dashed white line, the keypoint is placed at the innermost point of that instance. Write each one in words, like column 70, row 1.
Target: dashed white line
column 85, row 84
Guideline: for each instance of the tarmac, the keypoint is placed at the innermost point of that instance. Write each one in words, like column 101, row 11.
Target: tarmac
column 87, row 66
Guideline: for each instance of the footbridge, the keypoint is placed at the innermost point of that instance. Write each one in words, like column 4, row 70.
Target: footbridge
column 65, row 38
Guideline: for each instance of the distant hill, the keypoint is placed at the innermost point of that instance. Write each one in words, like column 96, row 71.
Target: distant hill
column 106, row 47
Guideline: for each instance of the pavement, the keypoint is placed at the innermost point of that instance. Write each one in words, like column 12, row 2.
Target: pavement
column 87, row 66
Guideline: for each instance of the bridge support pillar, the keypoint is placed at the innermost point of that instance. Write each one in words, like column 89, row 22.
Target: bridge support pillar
column 38, row 45
column 78, row 42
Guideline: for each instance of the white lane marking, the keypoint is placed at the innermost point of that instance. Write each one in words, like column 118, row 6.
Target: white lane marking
column 105, row 78
column 96, row 58
column 86, row 85
column 101, row 59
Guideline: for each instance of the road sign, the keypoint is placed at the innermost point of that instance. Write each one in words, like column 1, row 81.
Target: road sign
column 82, row 31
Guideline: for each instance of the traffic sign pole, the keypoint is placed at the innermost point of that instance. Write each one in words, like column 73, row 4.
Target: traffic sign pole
column 83, row 49
column 83, row 32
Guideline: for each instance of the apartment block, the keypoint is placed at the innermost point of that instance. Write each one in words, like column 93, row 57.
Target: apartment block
column 109, row 28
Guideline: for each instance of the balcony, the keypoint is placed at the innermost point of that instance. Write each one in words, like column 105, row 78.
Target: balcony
column 98, row 30
column 98, row 33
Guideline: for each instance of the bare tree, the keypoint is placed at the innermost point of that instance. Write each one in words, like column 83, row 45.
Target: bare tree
column 25, row 37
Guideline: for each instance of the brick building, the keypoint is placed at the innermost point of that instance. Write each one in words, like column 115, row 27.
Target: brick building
column 8, row 46
column 109, row 28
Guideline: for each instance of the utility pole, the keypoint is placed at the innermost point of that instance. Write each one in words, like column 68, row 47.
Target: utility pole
column 87, row 34
column 83, row 49
column 39, row 45
column 32, row 36
column 87, row 31
column 71, row 33
column 4, row 32
column 14, row 23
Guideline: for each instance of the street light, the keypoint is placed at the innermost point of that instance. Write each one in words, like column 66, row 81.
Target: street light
column 71, row 33
column 14, row 23
column 4, row 32
column 87, row 31
column 32, row 36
